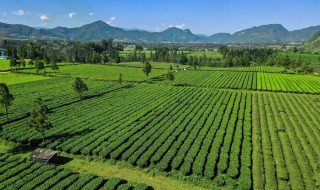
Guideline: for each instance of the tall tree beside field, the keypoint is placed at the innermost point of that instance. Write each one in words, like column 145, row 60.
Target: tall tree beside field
column 23, row 63
column 13, row 63
column 170, row 76
column 297, row 63
column 306, row 67
column 147, row 68
column 120, row 78
column 39, row 65
column 79, row 86
column 38, row 117
column 5, row 98
column 54, row 66
column 30, row 63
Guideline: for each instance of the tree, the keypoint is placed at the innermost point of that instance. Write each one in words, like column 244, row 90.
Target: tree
column 117, row 59
column 79, row 86
column 296, row 64
column 120, row 78
column 138, row 47
column 13, row 62
column 5, row 98
column 39, row 65
column 30, row 63
column 147, row 68
column 23, row 63
column 54, row 66
column 170, row 76
column 38, row 119
column 306, row 68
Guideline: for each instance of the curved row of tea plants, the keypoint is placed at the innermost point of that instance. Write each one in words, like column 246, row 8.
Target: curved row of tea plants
column 16, row 173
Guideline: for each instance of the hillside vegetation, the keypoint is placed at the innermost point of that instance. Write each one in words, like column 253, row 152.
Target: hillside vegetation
column 313, row 45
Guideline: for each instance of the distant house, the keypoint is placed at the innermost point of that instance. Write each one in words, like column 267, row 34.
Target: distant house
column 2, row 55
column 44, row 156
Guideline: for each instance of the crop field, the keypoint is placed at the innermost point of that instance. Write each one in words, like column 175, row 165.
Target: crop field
column 285, row 139
column 102, row 72
column 266, row 81
column 241, row 129
column 55, row 91
column 263, row 69
column 155, row 65
column 21, row 174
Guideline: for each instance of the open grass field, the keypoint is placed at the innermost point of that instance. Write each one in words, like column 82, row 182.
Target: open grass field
column 12, row 78
column 4, row 65
column 242, row 128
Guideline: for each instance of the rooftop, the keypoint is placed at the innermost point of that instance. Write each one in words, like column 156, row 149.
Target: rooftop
column 43, row 153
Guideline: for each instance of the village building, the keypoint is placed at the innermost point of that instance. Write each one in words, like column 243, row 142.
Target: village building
column 44, row 156
column 2, row 55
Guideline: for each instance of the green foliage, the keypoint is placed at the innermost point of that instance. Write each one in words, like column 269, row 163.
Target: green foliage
column 120, row 78
column 147, row 68
column 79, row 86
column 170, row 76
column 5, row 98
column 38, row 117
column 39, row 65
column 54, row 66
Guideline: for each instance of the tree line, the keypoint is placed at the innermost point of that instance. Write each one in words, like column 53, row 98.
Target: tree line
column 262, row 57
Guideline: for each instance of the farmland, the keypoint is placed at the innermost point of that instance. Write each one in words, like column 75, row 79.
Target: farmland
column 18, row 173
column 102, row 72
column 241, row 128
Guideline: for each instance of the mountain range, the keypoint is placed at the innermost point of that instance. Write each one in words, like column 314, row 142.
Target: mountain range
column 96, row 31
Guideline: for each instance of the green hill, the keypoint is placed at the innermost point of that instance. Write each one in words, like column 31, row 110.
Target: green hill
column 313, row 45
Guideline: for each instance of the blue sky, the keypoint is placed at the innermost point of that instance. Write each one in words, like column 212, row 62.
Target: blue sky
column 200, row 16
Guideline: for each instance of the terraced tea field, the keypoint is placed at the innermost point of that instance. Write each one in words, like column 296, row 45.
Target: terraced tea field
column 244, row 129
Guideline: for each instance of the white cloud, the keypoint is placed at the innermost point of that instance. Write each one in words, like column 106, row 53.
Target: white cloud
column 19, row 12
column 158, row 29
column 4, row 14
column 44, row 17
column 70, row 15
column 181, row 26
column 111, row 20
column 91, row 14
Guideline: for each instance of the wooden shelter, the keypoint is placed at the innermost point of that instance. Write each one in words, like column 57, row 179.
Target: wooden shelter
column 44, row 156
